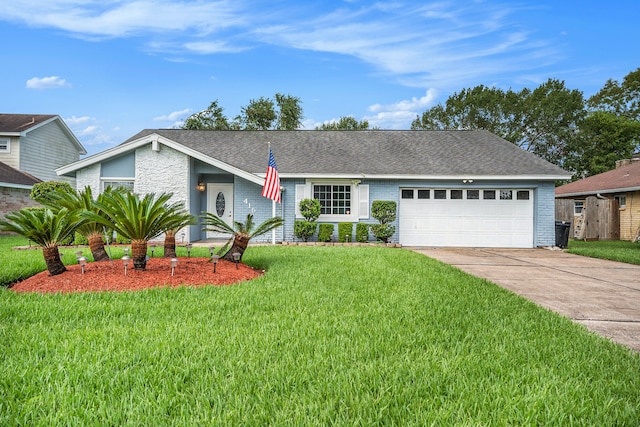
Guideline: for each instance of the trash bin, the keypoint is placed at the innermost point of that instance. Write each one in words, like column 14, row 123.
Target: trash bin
column 562, row 233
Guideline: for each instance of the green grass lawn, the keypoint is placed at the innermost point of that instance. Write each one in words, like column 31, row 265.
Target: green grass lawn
column 328, row 336
column 615, row 250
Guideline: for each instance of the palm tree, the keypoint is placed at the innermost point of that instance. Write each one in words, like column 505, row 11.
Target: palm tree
column 241, row 234
column 47, row 229
column 140, row 220
column 92, row 230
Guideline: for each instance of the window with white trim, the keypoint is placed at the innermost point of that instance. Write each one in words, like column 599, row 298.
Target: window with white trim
column 5, row 145
column 340, row 200
column 622, row 201
column 578, row 207
column 334, row 199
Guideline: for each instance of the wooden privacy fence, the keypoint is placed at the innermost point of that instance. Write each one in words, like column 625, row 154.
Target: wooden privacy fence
column 600, row 218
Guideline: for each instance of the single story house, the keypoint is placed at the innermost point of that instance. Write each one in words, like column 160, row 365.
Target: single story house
column 621, row 184
column 38, row 144
column 15, row 189
column 452, row 188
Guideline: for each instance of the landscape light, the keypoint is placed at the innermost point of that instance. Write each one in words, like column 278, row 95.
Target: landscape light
column 212, row 249
column 78, row 255
column 82, row 261
column 126, row 251
column 188, row 245
column 174, row 263
column 153, row 248
column 125, row 262
column 215, row 259
column 236, row 258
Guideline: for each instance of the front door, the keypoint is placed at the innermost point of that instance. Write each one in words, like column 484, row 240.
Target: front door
column 220, row 202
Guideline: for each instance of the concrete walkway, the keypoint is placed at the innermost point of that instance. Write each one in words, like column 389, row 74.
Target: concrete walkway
column 604, row 296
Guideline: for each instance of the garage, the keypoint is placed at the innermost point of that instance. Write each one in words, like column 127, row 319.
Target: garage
column 466, row 217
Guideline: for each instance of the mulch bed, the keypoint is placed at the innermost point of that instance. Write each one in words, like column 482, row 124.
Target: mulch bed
column 109, row 276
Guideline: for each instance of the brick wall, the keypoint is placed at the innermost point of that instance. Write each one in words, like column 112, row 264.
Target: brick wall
column 14, row 199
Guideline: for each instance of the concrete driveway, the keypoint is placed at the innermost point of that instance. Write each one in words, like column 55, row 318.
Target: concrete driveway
column 604, row 296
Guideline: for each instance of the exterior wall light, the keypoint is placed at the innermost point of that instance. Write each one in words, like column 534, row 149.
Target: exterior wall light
column 201, row 186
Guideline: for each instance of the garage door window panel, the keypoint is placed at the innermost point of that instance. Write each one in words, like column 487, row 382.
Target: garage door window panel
column 489, row 194
column 440, row 194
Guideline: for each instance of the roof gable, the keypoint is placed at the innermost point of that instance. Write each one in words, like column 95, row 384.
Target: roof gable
column 622, row 179
column 20, row 124
column 375, row 153
column 17, row 123
column 10, row 177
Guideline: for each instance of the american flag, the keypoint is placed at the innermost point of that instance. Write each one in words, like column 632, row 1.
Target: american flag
column 271, row 189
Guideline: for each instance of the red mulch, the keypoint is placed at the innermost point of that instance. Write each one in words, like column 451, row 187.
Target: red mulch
column 109, row 276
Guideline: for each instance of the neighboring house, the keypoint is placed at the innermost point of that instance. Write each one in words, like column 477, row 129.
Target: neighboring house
column 621, row 185
column 38, row 144
column 453, row 188
column 15, row 189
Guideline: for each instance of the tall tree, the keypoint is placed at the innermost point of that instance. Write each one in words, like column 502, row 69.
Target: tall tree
column 290, row 113
column 541, row 121
column 604, row 137
column 345, row 123
column 259, row 114
column 212, row 118
column 621, row 99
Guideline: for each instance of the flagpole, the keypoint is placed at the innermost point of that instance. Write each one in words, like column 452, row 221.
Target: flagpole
column 273, row 207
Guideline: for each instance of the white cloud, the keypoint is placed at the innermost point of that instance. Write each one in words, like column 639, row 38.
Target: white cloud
column 52, row 82
column 440, row 44
column 76, row 121
column 399, row 115
column 93, row 18
column 174, row 116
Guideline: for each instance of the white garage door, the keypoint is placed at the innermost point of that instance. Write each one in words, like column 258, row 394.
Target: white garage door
column 469, row 218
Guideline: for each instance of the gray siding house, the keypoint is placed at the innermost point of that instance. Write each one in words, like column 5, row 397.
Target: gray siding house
column 38, row 144
column 452, row 188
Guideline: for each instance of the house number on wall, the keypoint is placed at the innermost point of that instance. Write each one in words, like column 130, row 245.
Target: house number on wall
column 220, row 205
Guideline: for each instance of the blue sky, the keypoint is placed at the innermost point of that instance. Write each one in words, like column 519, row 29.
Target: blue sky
column 111, row 69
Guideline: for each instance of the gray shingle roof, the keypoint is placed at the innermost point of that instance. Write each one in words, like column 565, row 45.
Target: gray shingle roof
column 12, row 123
column 9, row 175
column 375, row 152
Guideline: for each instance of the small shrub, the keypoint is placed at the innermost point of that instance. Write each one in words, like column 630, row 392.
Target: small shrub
column 385, row 212
column 304, row 229
column 345, row 232
column 325, row 233
column 79, row 239
column 383, row 232
column 41, row 191
column 362, row 232
column 121, row 240
column 310, row 209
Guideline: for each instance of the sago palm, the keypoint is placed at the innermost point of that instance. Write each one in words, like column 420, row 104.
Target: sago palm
column 47, row 229
column 242, row 233
column 92, row 230
column 140, row 219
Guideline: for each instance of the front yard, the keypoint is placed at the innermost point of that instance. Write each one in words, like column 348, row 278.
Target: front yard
column 328, row 336
column 614, row 250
